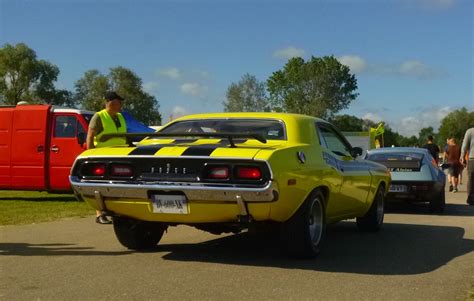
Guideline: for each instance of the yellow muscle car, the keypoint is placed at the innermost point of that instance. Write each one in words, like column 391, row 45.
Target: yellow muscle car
column 227, row 172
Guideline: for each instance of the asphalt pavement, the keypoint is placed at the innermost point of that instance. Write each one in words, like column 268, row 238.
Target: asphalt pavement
column 417, row 256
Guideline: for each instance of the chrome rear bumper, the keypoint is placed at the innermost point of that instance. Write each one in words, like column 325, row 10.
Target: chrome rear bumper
column 193, row 191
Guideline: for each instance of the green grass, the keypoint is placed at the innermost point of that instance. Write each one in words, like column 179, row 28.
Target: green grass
column 28, row 207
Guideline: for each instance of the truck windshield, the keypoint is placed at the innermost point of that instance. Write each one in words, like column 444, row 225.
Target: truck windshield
column 269, row 129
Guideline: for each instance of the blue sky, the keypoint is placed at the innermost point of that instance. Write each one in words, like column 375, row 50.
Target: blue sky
column 413, row 58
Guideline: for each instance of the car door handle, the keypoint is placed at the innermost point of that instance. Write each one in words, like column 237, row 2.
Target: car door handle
column 40, row 148
column 54, row 149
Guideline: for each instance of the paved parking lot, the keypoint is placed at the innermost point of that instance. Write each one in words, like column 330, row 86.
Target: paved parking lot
column 417, row 256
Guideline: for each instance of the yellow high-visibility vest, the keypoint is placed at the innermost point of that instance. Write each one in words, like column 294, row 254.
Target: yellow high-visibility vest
column 110, row 128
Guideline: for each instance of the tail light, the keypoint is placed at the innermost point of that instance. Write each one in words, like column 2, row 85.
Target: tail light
column 248, row 173
column 94, row 170
column 121, row 170
column 218, row 172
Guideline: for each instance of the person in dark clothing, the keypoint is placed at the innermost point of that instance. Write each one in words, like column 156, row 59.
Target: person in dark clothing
column 432, row 148
column 453, row 157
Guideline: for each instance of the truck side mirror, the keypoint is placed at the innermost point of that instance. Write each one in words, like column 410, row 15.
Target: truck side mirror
column 81, row 138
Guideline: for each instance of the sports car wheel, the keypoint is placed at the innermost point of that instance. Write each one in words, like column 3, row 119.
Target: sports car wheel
column 303, row 233
column 137, row 235
column 437, row 204
column 372, row 221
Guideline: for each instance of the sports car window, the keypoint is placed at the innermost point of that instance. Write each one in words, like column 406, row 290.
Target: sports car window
column 269, row 129
column 333, row 141
column 65, row 126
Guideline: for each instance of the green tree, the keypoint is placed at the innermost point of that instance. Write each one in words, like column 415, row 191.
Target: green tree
column 390, row 137
column 248, row 95
column 423, row 135
column 348, row 123
column 319, row 87
column 455, row 125
column 24, row 77
column 90, row 90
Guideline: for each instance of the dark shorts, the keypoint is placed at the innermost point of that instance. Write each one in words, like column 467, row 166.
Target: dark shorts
column 454, row 170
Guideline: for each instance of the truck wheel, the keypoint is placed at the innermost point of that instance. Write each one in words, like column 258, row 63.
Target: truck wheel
column 372, row 221
column 438, row 203
column 303, row 234
column 137, row 235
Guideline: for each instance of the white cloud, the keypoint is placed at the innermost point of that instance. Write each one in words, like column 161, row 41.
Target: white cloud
column 417, row 69
column 171, row 73
column 373, row 116
column 289, row 52
column 201, row 73
column 179, row 111
column 411, row 125
column 409, row 68
column 150, row 87
column 194, row 89
column 354, row 62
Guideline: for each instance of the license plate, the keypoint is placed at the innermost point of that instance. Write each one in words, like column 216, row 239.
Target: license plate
column 398, row 188
column 167, row 203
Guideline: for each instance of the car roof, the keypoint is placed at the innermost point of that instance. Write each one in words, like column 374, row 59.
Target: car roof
column 257, row 115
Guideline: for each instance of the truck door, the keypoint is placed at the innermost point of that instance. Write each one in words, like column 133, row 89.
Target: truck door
column 28, row 148
column 64, row 148
column 6, row 121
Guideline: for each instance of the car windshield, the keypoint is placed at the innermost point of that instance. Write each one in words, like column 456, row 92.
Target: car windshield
column 269, row 129
column 395, row 156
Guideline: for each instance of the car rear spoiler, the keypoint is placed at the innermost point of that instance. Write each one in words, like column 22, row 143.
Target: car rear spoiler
column 229, row 136
column 414, row 164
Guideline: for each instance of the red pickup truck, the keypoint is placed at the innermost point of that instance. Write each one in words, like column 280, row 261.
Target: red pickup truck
column 38, row 145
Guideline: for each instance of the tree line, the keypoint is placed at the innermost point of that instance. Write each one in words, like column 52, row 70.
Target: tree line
column 24, row 77
column 320, row 87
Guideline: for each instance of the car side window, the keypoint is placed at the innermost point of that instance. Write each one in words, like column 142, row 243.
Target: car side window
column 65, row 127
column 333, row 141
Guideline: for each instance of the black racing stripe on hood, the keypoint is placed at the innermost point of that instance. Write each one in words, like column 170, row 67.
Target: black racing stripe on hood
column 200, row 150
column 184, row 140
column 147, row 149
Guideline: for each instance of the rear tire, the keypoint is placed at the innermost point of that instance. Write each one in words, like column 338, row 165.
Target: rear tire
column 303, row 234
column 137, row 235
column 372, row 221
column 438, row 204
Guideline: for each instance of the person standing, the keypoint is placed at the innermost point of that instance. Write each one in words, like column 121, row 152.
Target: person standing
column 107, row 121
column 432, row 148
column 467, row 150
column 453, row 154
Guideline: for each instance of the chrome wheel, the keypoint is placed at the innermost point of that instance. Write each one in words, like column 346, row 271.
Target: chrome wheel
column 316, row 222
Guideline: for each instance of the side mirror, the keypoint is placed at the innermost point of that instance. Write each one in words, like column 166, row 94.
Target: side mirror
column 81, row 138
column 356, row 151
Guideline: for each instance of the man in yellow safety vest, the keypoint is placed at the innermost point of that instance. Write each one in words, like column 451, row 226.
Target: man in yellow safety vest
column 107, row 121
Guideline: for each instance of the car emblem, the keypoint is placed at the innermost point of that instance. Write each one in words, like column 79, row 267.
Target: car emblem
column 301, row 157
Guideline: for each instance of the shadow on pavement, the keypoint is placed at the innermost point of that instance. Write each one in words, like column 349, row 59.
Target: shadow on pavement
column 399, row 249
column 401, row 207
column 26, row 249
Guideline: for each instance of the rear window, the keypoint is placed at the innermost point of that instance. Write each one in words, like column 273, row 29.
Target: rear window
column 269, row 129
column 405, row 156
